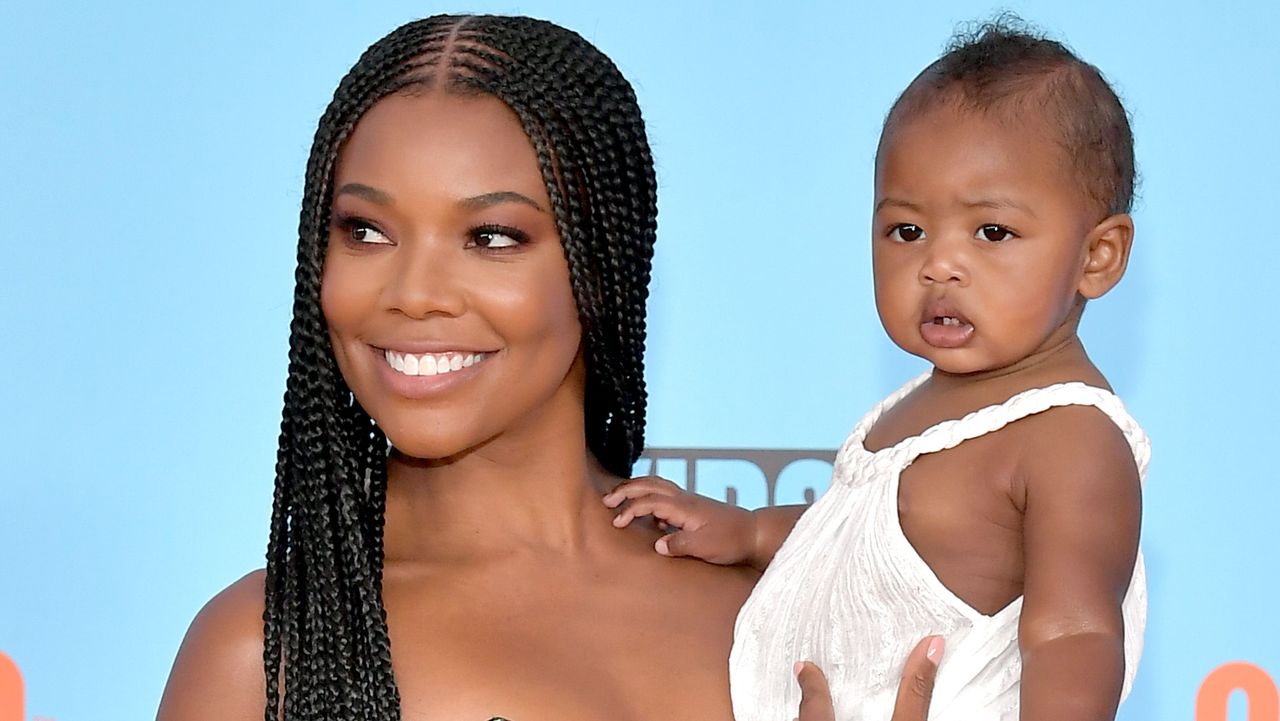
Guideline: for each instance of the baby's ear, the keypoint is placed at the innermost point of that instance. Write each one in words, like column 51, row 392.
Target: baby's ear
column 1107, row 255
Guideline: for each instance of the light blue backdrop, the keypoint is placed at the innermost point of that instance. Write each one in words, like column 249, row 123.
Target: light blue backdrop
column 152, row 159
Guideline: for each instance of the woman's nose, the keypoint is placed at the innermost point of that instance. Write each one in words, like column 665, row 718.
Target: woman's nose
column 426, row 281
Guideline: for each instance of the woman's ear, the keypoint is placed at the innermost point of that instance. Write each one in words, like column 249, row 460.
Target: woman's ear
column 1107, row 255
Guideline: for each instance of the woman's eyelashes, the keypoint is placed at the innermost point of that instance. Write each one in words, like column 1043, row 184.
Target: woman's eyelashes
column 358, row 231
column 496, row 237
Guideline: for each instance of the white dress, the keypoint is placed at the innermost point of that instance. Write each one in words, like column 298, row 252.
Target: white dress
column 849, row 592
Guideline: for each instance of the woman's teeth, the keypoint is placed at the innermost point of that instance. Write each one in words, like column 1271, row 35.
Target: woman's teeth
column 947, row 320
column 432, row 364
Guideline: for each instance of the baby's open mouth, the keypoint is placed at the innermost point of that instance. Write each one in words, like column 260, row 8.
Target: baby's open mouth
column 944, row 327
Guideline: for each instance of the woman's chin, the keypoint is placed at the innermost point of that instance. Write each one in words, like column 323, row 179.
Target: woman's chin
column 430, row 451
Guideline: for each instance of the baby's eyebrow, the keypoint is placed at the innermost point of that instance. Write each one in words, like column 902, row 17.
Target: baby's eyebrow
column 897, row 203
column 999, row 203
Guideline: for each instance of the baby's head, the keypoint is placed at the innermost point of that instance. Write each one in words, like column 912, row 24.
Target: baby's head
column 1004, row 179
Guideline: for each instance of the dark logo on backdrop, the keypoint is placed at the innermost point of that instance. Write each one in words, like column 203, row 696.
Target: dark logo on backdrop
column 745, row 477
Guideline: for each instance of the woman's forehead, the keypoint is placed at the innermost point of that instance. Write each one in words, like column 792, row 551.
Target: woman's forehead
column 440, row 142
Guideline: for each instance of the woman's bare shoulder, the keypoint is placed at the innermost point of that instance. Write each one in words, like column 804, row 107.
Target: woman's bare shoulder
column 218, row 673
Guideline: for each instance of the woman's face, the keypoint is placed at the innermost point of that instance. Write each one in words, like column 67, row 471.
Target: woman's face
column 445, row 287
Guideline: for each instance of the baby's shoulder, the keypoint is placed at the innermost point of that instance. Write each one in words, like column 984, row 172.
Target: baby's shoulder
column 1076, row 425
column 1078, row 444
column 219, row 670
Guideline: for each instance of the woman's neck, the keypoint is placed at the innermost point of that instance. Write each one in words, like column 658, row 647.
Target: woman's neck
column 537, row 490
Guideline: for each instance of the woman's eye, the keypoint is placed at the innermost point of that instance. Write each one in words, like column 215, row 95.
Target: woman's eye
column 361, row 233
column 495, row 238
column 906, row 232
column 994, row 233
column 365, row 234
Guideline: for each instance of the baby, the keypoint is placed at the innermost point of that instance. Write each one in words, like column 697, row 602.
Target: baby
column 995, row 500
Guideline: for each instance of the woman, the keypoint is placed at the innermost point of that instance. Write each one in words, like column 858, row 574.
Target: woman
column 475, row 240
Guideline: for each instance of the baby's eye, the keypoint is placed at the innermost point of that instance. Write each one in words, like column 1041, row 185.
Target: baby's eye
column 494, row 238
column 906, row 232
column 994, row 233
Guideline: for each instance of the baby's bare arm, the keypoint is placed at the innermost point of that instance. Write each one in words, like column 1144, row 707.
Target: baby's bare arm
column 773, row 525
column 704, row 528
column 1082, row 516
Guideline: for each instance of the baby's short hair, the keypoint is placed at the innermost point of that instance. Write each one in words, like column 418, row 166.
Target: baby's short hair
column 1003, row 66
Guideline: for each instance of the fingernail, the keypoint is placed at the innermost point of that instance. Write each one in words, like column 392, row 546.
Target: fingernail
column 620, row 520
column 796, row 669
column 609, row 500
column 661, row 546
column 936, row 647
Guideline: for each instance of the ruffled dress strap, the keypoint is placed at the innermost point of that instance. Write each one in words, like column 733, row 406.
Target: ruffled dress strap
column 949, row 434
column 855, row 439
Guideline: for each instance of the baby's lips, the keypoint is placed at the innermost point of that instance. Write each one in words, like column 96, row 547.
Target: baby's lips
column 945, row 336
column 942, row 308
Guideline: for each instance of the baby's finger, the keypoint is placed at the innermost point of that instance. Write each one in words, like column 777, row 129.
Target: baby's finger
column 815, row 695
column 663, row 508
column 683, row 543
column 640, row 487
column 915, row 689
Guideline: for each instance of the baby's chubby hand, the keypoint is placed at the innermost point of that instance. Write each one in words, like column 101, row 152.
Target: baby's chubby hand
column 710, row 530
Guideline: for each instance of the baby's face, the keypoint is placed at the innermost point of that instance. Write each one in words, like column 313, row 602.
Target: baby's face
column 979, row 240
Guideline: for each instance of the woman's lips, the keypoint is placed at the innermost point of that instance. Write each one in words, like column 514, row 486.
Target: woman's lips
column 430, row 364
column 423, row 375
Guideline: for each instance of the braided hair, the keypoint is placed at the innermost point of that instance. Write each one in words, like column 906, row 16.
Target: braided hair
column 325, row 627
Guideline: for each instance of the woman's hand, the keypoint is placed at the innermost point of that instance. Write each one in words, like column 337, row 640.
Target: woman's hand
column 915, row 688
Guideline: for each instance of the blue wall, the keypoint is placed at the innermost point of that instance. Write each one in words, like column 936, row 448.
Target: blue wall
column 152, row 162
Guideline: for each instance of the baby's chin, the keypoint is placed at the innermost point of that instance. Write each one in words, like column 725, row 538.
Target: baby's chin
column 956, row 362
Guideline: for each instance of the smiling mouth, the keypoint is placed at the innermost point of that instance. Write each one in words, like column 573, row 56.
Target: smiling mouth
column 431, row 364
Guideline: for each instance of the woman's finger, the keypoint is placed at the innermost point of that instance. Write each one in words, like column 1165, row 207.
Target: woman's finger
column 815, row 694
column 915, row 688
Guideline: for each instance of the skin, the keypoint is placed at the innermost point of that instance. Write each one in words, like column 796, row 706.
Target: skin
column 507, row 590
column 979, row 216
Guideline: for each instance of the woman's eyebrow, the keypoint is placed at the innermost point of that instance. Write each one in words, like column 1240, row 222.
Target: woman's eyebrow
column 487, row 200
column 369, row 193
